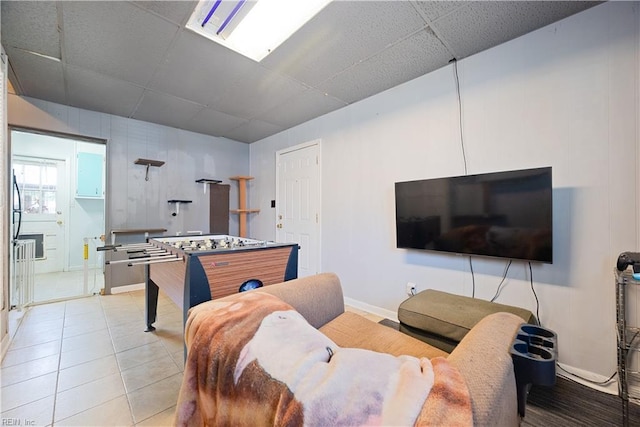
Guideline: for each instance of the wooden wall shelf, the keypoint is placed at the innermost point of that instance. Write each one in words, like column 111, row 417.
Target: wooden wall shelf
column 207, row 181
column 177, row 203
column 148, row 163
column 242, row 210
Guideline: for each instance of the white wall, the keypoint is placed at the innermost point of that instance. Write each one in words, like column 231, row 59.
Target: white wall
column 133, row 202
column 188, row 156
column 565, row 96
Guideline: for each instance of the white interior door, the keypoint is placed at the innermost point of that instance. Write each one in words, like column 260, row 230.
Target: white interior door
column 44, row 200
column 298, row 203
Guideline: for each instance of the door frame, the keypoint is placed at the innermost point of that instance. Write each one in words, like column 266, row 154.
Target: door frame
column 318, row 143
column 6, row 185
column 9, row 183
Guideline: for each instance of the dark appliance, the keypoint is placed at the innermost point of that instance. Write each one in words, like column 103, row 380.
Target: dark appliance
column 499, row 214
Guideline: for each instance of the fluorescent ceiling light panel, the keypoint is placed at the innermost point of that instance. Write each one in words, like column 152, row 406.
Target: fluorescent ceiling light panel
column 252, row 28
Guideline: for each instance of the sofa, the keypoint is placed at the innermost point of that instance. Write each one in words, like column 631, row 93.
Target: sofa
column 482, row 357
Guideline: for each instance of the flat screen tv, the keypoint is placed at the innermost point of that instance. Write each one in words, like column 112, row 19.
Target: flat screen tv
column 499, row 214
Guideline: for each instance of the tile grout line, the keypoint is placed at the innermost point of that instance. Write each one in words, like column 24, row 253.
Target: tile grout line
column 19, row 328
column 126, row 394
column 55, row 390
column 69, row 313
column 142, row 310
column 89, row 332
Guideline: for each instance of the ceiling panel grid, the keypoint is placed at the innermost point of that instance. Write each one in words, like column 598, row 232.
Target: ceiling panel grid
column 138, row 59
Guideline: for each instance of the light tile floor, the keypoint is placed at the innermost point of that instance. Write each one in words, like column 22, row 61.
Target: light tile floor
column 88, row 362
column 53, row 286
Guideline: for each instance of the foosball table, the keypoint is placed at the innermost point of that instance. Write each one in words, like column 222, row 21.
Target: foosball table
column 194, row 269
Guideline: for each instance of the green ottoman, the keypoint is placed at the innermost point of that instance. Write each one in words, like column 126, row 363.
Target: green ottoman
column 442, row 319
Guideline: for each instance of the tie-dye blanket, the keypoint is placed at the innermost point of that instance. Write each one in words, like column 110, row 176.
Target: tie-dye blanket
column 256, row 361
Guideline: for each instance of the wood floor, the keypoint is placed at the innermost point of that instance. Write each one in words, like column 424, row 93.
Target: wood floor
column 571, row 404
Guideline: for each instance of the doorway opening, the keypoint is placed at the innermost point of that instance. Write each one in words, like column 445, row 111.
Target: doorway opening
column 58, row 205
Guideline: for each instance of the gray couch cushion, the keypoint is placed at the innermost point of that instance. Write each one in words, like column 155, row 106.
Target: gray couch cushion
column 450, row 316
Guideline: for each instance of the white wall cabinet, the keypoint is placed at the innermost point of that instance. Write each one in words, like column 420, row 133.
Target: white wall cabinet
column 90, row 182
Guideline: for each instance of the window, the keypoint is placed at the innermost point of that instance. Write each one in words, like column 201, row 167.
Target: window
column 38, row 181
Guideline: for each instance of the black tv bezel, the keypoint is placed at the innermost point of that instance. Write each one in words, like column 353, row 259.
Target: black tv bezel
column 547, row 169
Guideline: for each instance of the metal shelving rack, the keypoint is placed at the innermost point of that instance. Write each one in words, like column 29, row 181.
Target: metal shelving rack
column 628, row 341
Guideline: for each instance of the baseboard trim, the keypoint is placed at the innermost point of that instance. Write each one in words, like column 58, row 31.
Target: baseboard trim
column 382, row 312
column 13, row 326
column 6, row 341
column 610, row 388
column 127, row 288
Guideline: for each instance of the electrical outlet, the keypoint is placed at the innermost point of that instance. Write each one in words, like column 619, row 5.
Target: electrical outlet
column 411, row 288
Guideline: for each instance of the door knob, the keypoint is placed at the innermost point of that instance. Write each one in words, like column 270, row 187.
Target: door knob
column 59, row 222
column 279, row 226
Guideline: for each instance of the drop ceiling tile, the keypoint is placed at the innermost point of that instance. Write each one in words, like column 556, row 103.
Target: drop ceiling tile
column 342, row 34
column 166, row 110
column 212, row 122
column 433, row 10
column 257, row 92
column 199, row 69
column 38, row 77
column 31, row 26
column 411, row 58
column 175, row 11
column 115, row 38
column 480, row 25
column 301, row 108
column 351, row 50
column 253, row 131
column 92, row 91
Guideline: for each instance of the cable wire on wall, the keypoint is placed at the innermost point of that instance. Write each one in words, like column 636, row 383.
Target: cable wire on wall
column 535, row 295
column 457, row 84
column 473, row 280
column 464, row 155
column 504, row 277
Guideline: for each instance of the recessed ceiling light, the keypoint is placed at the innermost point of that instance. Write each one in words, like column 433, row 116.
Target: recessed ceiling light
column 252, row 28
